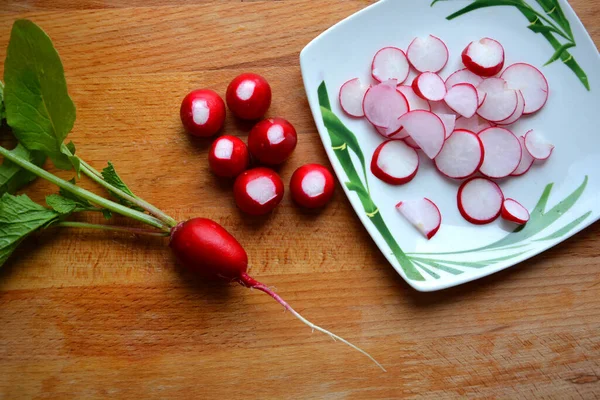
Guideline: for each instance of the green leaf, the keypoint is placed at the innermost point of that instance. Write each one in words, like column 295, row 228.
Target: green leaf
column 82, row 203
column 2, row 111
column 19, row 217
column 60, row 204
column 553, row 9
column 71, row 147
column 110, row 176
column 477, row 4
column 538, row 28
column 107, row 214
column 323, row 96
column 38, row 107
column 13, row 177
column 559, row 52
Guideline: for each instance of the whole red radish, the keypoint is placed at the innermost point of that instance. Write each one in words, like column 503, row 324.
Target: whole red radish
column 228, row 157
column 258, row 191
column 249, row 96
column 272, row 141
column 312, row 186
column 202, row 113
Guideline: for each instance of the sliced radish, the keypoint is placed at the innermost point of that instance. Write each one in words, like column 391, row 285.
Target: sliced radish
column 390, row 63
column 484, row 57
column 531, row 82
column 352, row 94
column 513, row 211
column 428, row 54
column 439, row 107
column 411, row 142
column 423, row 214
column 383, row 105
column 463, row 99
column 518, row 112
column 427, row 129
column 499, row 104
column 429, row 86
column 414, row 102
column 461, row 155
column 480, row 201
column 449, row 121
column 474, row 124
column 526, row 159
column 463, row 76
column 394, row 162
column 537, row 145
column 502, row 152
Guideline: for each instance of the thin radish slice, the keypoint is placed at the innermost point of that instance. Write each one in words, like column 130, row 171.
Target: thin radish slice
column 427, row 54
column 499, row 105
column 474, row 124
column 480, row 201
column 400, row 135
column 484, row 57
column 390, row 63
column 463, row 76
column 518, row 113
column 383, row 105
column 429, row 86
column 352, row 94
column 414, row 102
column 449, row 121
column 502, row 152
column 463, row 99
column 411, row 142
column 526, row 159
column 513, row 211
column 531, row 82
column 537, row 145
column 394, row 162
column 423, row 214
column 427, row 129
column 461, row 155
column 439, row 107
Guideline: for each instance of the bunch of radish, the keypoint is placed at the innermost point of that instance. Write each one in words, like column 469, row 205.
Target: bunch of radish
column 465, row 123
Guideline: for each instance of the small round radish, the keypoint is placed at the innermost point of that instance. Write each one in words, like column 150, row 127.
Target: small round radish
column 474, row 124
column 312, row 186
column 531, row 82
column 414, row 102
column 423, row 214
column 383, row 105
column 394, row 162
column 352, row 94
column 480, row 201
column 390, row 63
column 500, row 103
column 518, row 112
column 429, row 86
column 537, row 145
column 526, row 159
column 202, row 113
column 427, row 130
column 228, row 157
column 249, row 96
column 502, row 152
column 463, row 76
column 484, row 57
column 449, row 121
column 463, row 99
column 461, row 155
column 513, row 211
column 428, row 54
column 258, row 191
column 272, row 141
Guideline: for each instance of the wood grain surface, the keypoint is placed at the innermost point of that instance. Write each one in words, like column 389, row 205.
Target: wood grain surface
column 96, row 315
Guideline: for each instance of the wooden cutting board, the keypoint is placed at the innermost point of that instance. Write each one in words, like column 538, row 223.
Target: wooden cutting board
column 96, row 315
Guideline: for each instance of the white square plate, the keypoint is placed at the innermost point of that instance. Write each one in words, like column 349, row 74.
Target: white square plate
column 562, row 194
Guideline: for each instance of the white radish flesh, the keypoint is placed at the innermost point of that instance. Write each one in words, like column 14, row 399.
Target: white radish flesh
column 484, row 57
column 463, row 99
column 390, row 63
column 383, row 105
column 526, row 159
column 428, row 54
column 463, row 76
column 480, row 201
column 531, row 82
column 394, row 162
column 461, row 155
column 502, row 152
column 474, row 124
column 518, row 112
column 499, row 105
column 262, row 190
column 514, row 211
column 427, row 130
column 537, row 145
column 224, row 149
column 411, row 142
column 449, row 121
column 429, row 86
column 414, row 102
column 423, row 214
column 352, row 94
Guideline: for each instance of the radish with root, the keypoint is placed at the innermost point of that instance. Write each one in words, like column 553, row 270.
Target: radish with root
column 537, row 145
column 390, row 63
column 312, row 186
column 502, row 152
column 429, row 86
column 513, row 211
column 423, row 214
column 352, row 94
column 394, row 162
column 202, row 113
column 484, row 57
column 249, row 96
column 461, row 156
column 532, row 84
column 228, row 157
column 258, row 191
column 272, row 141
column 428, row 54
column 480, row 200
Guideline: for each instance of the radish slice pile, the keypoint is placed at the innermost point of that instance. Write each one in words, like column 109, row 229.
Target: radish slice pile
column 390, row 63
column 394, row 162
column 502, row 152
column 351, row 97
column 426, row 129
column 526, row 159
column 480, row 200
column 423, row 214
column 513, row 211
column 531, row 82
column 428, row 54
column 463, row 99
column 461, row 155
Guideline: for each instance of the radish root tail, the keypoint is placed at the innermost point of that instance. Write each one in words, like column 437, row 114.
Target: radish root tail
column 249, row 282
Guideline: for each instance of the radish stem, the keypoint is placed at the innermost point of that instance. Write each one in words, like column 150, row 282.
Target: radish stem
column 124, row 229
column 249, row 282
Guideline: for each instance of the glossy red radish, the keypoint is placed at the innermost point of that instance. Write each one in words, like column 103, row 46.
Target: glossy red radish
column 427, row 54
column 537, row 145
column 500, row 103
column 383, row 105
column 312, row 186
column 531, row 82
column 518, row 112
column 258, row 191
column 414, row 102
column 394, row 162
column 461, row 156
column 272, row 141
column 352, row 94
column 429, row 86
column 207, row 249
column 514, row 211
column 249, row 96
column 484, row 57
column 423, row 214
column 480, row 200
column 202, row 113
column 390, row 63
column 228, row 157
column 449, row 121
column 502, row 152
column 474, row 124
column 463, row 99
column 526, row 160
column 427, row 130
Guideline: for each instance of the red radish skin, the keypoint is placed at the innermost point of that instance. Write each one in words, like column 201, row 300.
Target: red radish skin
column 538, row 146
column 423, row 214
column 249, row 96
column 484, row 57
column 427, row 130
column 461, row 156
column 480, row 200
column 390, row 63
column 352, row 94
column 395, row 163
column 258, row 191
column 207, row 249
column 312, row 186
column 428, row 54
column 414, row 102
column 502, row 152
column 463, row 99
column 429, row 86
column 228, row 157
column 531, row 82
column 513, row 211
column 383, row 105
column 526, row 160
column 272, row 141
column 202, row 113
